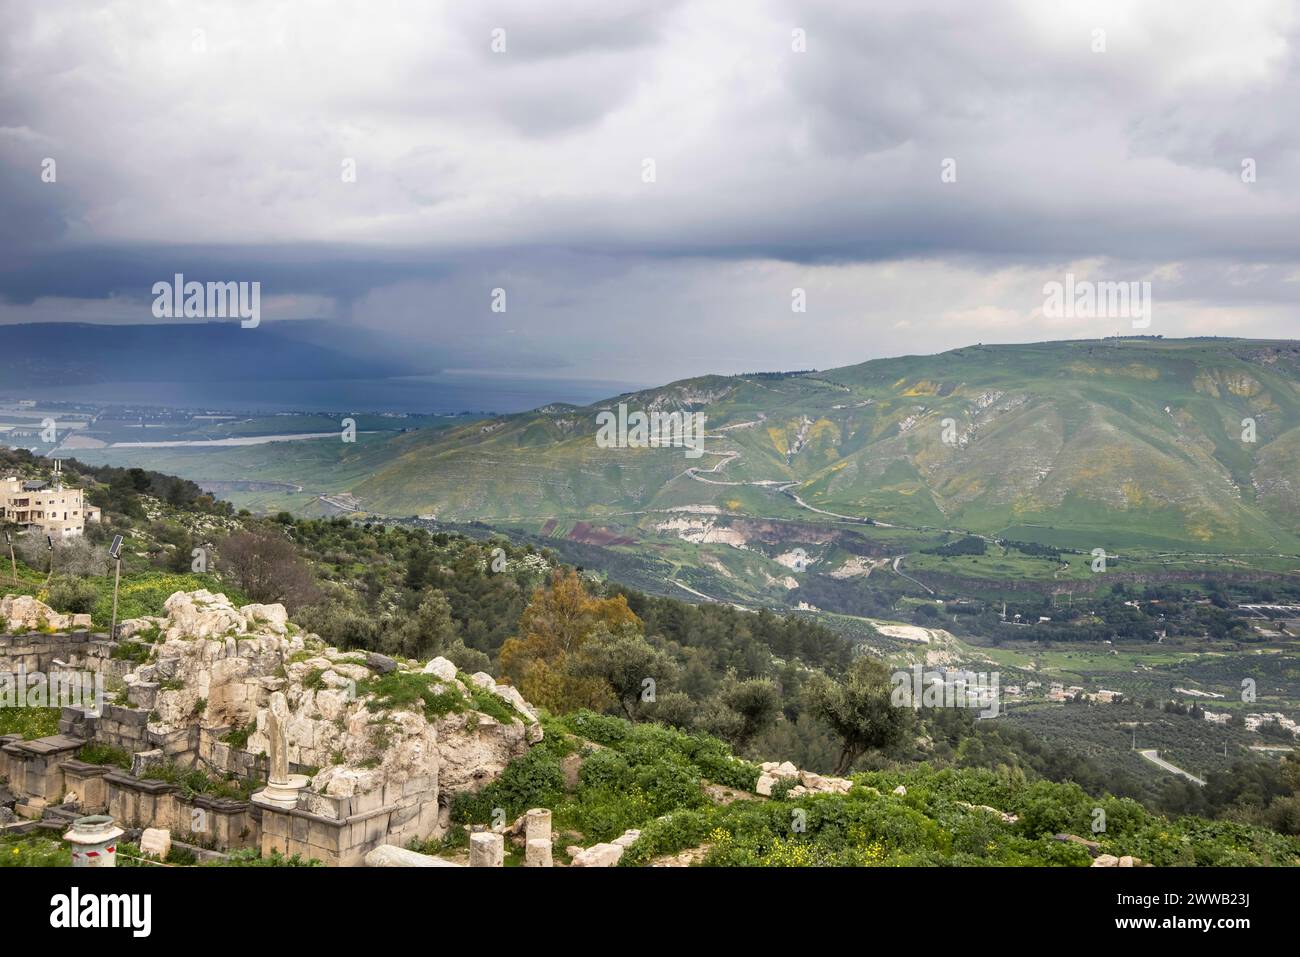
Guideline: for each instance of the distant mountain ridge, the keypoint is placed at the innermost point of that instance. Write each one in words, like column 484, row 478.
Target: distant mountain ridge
column 1189, row 444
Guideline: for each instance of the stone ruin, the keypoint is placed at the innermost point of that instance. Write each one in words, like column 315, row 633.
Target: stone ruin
column 360, row 776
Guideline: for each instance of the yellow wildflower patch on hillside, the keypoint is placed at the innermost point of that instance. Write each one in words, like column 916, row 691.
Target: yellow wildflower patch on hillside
column 1235, row 383
column 1134, row 370
column 922, row 387
column 1133, row 493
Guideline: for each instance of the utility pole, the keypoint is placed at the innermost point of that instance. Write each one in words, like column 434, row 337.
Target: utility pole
column 115, row 553
column 13, row 562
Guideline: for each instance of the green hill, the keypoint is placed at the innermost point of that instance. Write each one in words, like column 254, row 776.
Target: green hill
column 1057, row 442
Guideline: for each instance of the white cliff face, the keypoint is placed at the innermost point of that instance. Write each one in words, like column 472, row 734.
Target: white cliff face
column 217, row 665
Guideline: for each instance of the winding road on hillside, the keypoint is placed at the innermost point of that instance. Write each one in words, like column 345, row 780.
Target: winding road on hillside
column 785, row 486
column 1152, row 755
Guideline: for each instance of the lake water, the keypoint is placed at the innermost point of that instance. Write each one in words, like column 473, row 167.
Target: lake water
column 443, row 393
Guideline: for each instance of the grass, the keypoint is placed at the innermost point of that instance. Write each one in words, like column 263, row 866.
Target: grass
column 192, row 781
column 403, row 690
column 94, row 752
column 140, row 594
column 30, row 723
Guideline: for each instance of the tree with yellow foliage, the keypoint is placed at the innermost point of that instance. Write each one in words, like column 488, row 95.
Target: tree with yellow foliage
column 553, row 628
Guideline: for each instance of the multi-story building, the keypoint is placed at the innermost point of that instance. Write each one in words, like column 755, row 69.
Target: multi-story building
column 57, row 511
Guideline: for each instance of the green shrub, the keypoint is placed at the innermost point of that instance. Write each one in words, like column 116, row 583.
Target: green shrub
column 490, row 704
column 192, row 781
column 94, row 752
column 238, row 737
column 132, row 650
column 74, row 596
column 605, row 769
column 533, row 780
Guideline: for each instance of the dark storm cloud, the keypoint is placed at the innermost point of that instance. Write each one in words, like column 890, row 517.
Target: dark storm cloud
column 131, row 271
column 189, row 139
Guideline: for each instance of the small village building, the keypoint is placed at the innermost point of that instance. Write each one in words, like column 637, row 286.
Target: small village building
column 57, row 511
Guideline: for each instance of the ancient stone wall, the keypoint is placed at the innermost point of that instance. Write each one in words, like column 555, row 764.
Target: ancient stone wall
column 368, row 774
column 77, row 650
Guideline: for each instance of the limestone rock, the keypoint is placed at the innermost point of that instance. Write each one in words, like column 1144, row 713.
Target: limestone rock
column 1092, row 847
column 511, row 693
column 216, row 667
column 134, row 626
column 537, row 824
column 441, row 667
column 201, row 614
column 474, row 750
column 381, row 664
column 537, row 853
column 19, row 613
column 272, row 616
column 627, row 838
column 598, row 855
column 486, row 850
column 142, row 761
column 156, row 841
column 388, row 855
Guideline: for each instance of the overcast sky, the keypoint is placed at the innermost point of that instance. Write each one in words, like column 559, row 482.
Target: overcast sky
column 1103, row 139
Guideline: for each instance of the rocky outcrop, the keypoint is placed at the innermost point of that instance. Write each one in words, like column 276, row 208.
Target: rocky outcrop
column 21, row 613
column 217, row 665
column 603, row 855
column 1010, row 818
column 806, row 782
column 1110, row 860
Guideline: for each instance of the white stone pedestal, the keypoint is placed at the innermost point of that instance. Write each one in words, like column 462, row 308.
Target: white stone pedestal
column 281, row 794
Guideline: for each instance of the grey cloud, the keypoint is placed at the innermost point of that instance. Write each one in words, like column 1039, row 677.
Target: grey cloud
column 774, row 168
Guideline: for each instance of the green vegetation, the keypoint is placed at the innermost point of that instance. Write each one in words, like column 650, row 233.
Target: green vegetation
column 29, row 722
column 33, row 850
column 650, row 777
column 93, row 752
column 192, row 781
column 400, row 690
column 639, row 772
column 40, row 849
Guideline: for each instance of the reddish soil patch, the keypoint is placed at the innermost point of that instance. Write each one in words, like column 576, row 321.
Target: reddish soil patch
column 594, row 535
